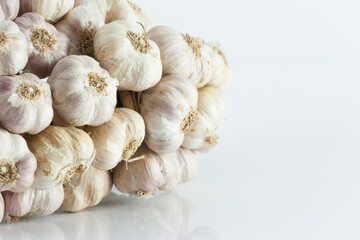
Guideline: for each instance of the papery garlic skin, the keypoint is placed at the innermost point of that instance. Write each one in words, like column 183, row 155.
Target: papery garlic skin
column 188, row 164
column 169, row 111
column 128, row 11
column 80, row 25
column 46, row 45
column 17, row 163
column 62, row 154
column 9, row 9
column 211, row 113
column 51, row 10
column 124, row 50
column 2, row 207
column 118, row 139
column 183, row 55
column 26, row 104
column 83, row 92
column 34, row 201
column 98, row 5
column 87, row 191
column 13, row 48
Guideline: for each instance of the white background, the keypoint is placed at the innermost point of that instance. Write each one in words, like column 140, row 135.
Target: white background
column 287, row 166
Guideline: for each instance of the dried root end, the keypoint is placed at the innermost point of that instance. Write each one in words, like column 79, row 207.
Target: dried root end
column 11, row 218
column 141, row 43
column 195, row 44
column 85, row 44
column 42, row 40
column 72, row 173
column 98, row 82
column 8, row 173
column 189, row 120
column 4, row 40
column 141, row 193
column 30, row 91
column 130, row 149
column 212, row 140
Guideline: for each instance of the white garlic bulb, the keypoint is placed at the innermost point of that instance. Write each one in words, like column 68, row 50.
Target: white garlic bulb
column 46, row 45
column 34, row 201
column 128, row 11
column 98, row 5
column 169, row 111
column 62, row 154
column 80, row 25
column 83, row 92
column 188, row 164
column 183, row 55
column 17, row 163
column 51, row 10
column 88, row 190
column 211, row 113
column 118, row 139
column 26, row 104
column 13, row 48
column 127, row 53
column 9, row 9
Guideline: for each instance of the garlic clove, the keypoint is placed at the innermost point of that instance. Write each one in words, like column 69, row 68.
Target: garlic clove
column 9, row 9
column 211, row 113
column 169, row 111
column 13, row 48
column 125, row 51
column 118, row 139
column 183, row 55
column 62, row 153
column 188, row 164
column 98, row 5
column 2, row 207
column 26, row 104
column 46, row 45
column 87, row 191
column 34, row 201
column 83, row 92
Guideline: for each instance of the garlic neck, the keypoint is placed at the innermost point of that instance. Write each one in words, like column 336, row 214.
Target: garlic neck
column 195, row 44
column 29, row 91
column 98, row 82
column 189, row 120
column 42, row 40
column 85, row 44
column 8, row 172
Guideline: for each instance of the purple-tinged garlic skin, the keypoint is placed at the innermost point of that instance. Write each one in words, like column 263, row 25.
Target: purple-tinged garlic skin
column 34, row 201
column 17, row 163
column 26, row 104
column 98, row 5
column 9, row 9
column 46, row 45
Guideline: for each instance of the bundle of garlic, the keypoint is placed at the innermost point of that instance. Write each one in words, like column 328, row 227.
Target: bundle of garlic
column 93, row 93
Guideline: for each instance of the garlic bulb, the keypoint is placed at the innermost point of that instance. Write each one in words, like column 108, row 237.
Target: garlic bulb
column 211, row 110
column 128, row 11
column 118, row 139
column 62, row 154
column 26, row 104
column 13, row 48
column 83, row 92
column 183, row 55
column 98, row 5
column 188, row 164
column 169, row 111
column 9, row 9
column 34, row 201
column 80, row 25
column 221, row 74
column 2, row 207
column 46, row 45
column 88, row 190
column 17, row 163
column 51, row 10
column 128, row 54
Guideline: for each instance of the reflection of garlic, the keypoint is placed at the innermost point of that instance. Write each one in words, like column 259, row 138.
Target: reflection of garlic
column 61, row 153
column 80, row 25
column 50, row 9
column 46, row 45
column 26, row 104
column 118, row 139
column 13, row 48
column 169, row 111
column 17, row 163
column 211, row 110
column 9, row 9
column 128, row 11
column 83, row 92
column 183, row 55
column 34, row 201
column 87, row 191
column 127, row 53
column 98, row 5
column 188, row 164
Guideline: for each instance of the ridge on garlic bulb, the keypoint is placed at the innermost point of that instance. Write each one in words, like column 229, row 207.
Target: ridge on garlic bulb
column 124, row 50
column 183, row 55
column 62, row 154
column 211, row 112
column 17, row 163
column 118, row 139
column 99, row 5
column 9, row 9
column 83, row 92
column 13, row 48
column 34, row 201
column 80, row 25
column 26, row 104
column 169, row 112
column 46, row 45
